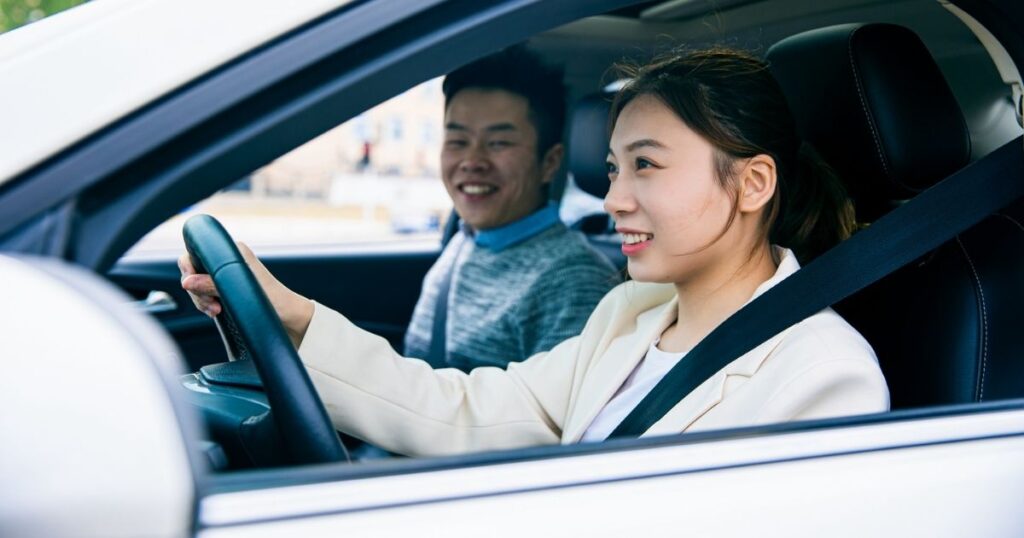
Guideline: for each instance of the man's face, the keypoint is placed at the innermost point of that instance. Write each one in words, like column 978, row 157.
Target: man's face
column 489, row 161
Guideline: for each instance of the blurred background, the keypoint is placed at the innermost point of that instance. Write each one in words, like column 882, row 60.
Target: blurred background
column 15, row 13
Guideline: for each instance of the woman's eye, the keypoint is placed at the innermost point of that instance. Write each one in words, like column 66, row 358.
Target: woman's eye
column 612, row 169
column 642, row 163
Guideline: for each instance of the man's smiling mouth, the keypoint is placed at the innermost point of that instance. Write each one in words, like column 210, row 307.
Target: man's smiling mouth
column 477, row 189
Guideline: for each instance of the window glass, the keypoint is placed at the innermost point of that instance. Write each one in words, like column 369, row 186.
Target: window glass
column 364, row 182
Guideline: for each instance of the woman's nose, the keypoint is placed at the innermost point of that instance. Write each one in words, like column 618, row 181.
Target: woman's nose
column 619, row 199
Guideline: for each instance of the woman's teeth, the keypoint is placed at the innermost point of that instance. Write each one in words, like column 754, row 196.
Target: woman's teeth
column 632, row 239
column 477, row 189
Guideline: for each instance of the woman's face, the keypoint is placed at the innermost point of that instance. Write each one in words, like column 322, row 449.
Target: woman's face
column 665, row 197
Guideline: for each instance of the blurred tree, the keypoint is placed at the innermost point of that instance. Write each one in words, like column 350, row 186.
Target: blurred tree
column 15, row 13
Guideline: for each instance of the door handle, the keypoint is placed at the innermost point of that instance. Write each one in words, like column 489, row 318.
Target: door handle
column 156, row 302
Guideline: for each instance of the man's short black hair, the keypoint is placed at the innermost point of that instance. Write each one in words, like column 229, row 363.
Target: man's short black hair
column 521, row 72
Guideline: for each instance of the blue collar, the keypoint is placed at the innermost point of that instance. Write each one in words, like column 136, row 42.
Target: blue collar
column 498, row 239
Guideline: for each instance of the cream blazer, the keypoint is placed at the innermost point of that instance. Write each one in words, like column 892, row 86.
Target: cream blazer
column 820, row 367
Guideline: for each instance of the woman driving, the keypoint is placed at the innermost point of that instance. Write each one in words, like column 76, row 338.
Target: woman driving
column 716, row 200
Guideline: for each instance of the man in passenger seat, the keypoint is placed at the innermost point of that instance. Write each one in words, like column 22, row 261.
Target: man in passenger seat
column 520, row 281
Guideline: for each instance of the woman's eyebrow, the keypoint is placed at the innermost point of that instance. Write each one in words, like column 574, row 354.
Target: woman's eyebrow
column 645, row 143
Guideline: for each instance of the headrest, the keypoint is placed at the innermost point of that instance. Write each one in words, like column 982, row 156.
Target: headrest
column 588, row 143
column 871, row 100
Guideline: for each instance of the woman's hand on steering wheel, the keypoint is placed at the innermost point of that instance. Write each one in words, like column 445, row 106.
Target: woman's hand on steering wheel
column 261, row 320
column 294, row 310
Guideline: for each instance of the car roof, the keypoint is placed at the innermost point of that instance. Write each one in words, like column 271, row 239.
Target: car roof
column 71, row 74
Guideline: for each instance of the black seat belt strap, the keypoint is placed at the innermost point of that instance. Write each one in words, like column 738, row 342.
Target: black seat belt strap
column 905, row 234
column 438, row 354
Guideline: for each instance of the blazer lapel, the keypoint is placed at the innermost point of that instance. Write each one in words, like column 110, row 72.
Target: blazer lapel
column 618, row 360
column 710, row 393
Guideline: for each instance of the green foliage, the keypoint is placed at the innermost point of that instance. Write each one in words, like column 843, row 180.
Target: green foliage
column 14, row 13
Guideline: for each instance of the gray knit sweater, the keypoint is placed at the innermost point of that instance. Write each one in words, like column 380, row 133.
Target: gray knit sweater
column 505, row 306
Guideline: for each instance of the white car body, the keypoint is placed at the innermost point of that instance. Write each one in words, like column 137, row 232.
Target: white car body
column 60, row 71
column 99, row 440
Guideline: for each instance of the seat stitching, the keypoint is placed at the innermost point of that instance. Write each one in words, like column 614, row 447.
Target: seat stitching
column 1011, row 219
column 863, row 103
column 984, row 322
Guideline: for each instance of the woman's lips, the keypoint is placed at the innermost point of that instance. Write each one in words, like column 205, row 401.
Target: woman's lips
column 630, row 249
column 633, row 241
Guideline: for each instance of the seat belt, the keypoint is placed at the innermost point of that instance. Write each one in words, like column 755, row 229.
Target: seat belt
column 437, row 356
column 905, row 234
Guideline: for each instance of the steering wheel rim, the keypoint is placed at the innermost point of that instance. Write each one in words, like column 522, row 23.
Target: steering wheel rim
column 250, row 325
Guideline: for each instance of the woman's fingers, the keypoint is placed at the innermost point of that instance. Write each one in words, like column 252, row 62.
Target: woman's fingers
column 293, row 309
column 200, row 287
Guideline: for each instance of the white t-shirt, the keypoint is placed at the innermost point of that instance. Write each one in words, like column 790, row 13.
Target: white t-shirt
column 655, row 364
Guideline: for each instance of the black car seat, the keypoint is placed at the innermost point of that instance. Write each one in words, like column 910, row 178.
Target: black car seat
column 588, row 153
column 947, row 328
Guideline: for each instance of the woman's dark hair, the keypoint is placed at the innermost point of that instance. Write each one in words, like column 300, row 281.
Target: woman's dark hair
column 730, row 99
column 519, row 71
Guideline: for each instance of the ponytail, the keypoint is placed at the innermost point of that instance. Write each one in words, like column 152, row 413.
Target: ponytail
column 813, row 213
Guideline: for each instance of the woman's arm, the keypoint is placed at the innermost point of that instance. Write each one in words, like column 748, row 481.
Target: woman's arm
column 405, row 406
column 401, row 404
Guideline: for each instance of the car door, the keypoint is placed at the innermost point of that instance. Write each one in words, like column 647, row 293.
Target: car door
column 908, row 474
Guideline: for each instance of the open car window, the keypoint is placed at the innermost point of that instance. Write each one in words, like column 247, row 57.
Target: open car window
column 370, row 181
column 375, row 177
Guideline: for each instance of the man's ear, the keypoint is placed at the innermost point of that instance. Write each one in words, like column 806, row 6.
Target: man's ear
column 551, row 162
column 758, row 181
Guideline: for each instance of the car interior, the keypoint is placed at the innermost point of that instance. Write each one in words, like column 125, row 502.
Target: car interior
column 895, row 95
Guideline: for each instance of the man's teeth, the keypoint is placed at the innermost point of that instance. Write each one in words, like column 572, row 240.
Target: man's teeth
column 476, row 189
column 632, row 239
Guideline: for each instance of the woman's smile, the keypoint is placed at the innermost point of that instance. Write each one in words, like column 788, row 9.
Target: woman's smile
column 633, row 241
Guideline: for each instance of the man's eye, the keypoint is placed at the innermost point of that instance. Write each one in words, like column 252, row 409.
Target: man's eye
column 499, row 143
column 455, row 143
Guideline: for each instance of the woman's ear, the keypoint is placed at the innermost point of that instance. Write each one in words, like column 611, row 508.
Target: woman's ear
column 757, row 183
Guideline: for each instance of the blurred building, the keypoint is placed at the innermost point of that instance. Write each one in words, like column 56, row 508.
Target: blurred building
column 399, row 138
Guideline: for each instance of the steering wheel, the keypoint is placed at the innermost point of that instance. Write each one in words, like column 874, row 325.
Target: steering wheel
column 252, row 329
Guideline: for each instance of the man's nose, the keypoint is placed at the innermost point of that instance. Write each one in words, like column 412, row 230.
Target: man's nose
column 475, row 159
